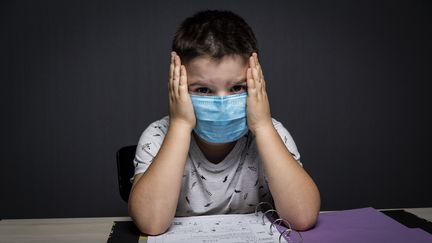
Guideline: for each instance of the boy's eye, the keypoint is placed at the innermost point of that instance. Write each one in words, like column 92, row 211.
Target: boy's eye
column 238, row 88
column 203, row 90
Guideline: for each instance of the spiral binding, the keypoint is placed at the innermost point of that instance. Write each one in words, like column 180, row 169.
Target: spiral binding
column 286, row 234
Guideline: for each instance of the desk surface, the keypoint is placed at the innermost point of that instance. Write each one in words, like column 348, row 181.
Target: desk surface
column 84, row 229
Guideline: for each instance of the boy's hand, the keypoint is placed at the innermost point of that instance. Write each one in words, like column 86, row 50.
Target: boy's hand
column 258, row 107
column 180, row 105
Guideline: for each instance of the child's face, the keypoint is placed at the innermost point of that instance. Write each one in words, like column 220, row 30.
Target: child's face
column 207, row 77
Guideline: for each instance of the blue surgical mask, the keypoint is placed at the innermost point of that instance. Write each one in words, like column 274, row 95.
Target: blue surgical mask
column 220, row 119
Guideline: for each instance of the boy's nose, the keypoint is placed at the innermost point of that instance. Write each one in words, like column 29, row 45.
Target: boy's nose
column 222, row 93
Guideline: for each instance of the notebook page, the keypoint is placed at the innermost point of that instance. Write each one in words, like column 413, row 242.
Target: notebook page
column 230, row 228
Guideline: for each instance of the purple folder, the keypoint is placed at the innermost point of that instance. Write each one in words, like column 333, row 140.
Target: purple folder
column 364, row 225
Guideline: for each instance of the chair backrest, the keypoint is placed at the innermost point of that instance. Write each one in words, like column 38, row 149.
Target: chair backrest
column 125, row 169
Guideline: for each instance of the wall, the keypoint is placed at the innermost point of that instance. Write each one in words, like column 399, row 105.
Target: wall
column 80, row 79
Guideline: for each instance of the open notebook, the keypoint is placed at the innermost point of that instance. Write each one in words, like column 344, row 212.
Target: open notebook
column 259, row 227
column 347, row 226
column 231, row 228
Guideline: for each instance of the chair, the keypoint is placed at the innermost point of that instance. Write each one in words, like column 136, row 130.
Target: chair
column 125, row 170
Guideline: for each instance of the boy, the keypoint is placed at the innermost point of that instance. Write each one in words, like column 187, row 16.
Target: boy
column 219, row 151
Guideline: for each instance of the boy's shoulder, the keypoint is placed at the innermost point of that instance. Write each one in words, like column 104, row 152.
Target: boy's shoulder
column 279, row 126
column 159, row 127
column 164, row 121
column 276, row 122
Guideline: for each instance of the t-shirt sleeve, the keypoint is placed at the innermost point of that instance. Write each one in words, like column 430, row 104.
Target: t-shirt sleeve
column 287, row 140
column 149, row 144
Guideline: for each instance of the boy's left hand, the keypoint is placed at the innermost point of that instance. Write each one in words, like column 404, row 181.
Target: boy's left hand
column 258, row 107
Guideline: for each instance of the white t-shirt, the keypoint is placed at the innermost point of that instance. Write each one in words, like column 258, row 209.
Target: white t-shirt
column 234, row 185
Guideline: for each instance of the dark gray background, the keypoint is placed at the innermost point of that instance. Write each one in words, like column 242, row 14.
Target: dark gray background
column 80, row 79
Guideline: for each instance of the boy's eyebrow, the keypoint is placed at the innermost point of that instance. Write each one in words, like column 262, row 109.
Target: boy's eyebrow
column 204, row 83
column 199, row 83
column 239, row 81
column 242, row 80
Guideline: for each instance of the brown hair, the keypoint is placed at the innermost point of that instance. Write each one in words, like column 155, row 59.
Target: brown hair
column 214, row 34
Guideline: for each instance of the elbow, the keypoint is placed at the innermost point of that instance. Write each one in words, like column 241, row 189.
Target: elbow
column 306, row 220
column 150, row 225
column 148, row 222
column 309, row 216
column 151, row 229
column 305, row 223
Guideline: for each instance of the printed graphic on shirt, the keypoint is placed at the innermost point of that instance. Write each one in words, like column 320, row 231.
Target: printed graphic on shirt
column 138, row 162
column 146, row 146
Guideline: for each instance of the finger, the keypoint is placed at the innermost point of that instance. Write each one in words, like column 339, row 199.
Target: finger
column 252, row 65
column 250, row 82
column 171, row 70
column 262, row 80
column 255, row 55
column 177, row 60
column 183, row 87
column 252, row 61
column 170, row 82
column 259, row 67
column 261, row 75
column 170, row 91
column 176, row 79
column 255, row 75
column 258, row 85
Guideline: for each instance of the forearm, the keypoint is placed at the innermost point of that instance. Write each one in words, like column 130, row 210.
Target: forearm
column 154, row 197
column 295, row 194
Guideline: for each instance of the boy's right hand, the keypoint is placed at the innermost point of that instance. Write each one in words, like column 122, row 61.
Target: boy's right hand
column 180, row 104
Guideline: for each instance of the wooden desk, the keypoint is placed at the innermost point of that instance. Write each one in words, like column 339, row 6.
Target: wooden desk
column 87, row 230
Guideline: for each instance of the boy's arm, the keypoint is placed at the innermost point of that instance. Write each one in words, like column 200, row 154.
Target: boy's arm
column 295, row 194
column 154, row 194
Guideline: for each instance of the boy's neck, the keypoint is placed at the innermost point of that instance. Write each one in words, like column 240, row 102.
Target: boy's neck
column 214, row 152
